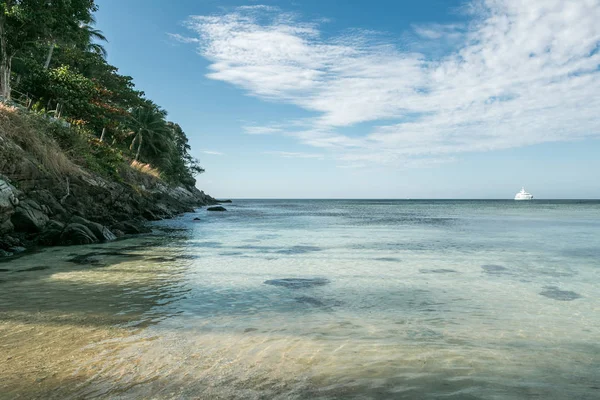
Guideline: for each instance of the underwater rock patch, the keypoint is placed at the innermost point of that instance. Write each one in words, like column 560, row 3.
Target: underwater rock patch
column 437, row 271
column 310, row 301
column 297, row 283
column 231, row 253
column 494, row 269
column 162, row 259
column 555, row 293
column 37, row 268
column 85, row 259
column 389, row 259
column 299, row 250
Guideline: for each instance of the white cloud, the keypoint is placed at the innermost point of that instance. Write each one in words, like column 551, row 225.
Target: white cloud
column 211, row 152
column 261, row 130
column 287, row 154
column 522, row 72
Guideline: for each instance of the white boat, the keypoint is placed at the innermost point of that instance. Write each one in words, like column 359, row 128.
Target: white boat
column 523, row 195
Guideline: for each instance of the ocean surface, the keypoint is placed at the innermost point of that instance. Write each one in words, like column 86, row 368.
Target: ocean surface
column 315, row 299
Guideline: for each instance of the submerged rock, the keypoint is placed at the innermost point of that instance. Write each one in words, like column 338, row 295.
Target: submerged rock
column 437, row 271
column 494, row 269
column 555, row 293
column 217, row 208
column 310, row 301
column 297, row 283
column 299, row 250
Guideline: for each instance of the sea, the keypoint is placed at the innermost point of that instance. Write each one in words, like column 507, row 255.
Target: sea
column 315, row 299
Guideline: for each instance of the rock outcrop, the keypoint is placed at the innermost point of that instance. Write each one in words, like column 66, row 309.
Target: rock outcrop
column 217, row 208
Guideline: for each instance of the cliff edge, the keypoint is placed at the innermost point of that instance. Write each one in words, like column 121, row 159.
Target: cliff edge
column 57, row 188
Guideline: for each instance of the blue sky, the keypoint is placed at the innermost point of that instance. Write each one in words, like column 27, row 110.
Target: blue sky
column 375, row 99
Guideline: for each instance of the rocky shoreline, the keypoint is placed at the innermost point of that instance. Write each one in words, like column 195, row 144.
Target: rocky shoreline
column 38, row 210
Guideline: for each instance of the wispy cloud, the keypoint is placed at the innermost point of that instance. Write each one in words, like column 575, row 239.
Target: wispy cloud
column 211, row 152
column 261, row 130
column 287, row 154
column 520, row 73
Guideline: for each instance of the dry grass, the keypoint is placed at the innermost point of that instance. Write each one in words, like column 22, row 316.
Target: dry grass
column 146, row 169
column 27, row 131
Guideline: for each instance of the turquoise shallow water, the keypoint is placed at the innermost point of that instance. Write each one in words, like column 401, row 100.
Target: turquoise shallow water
column 324, row 299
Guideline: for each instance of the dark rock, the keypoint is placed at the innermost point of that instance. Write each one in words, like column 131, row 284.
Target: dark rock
column 388, row 259
column 299, row 250
column 85, row 259
column 17, row 249
column 74, row 234
column 29, row 217
column 494, row 269
column 6, row 227
column 8, row 202
column 50, row 237
column 118, row 233
column 150, row 216
column 101, row 232
column 38, row 268
column 310, row 301
column 555, row 293
column 52, row 224
column 297, row 283
column 4, row 253
column 437, row 271
column 46, row 198
column 224, row 201
column 217, row 208
column 196, row 219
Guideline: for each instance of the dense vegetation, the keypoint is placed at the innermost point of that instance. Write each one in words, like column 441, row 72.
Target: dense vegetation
column 52, row 62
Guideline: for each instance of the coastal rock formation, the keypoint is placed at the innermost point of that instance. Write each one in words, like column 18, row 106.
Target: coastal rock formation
column 29, row 216
column 72, row 205
column 217, row 208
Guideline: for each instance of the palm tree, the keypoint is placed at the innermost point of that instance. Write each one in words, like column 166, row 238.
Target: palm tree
column 149, row 129
column 86, row 38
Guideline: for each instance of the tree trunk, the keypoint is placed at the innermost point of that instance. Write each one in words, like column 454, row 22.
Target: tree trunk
column 102, row 135
column 49, row 58
column 137, row 155
column 5, row 62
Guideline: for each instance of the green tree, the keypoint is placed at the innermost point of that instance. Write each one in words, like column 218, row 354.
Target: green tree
column 23, row 22
column 149, row 129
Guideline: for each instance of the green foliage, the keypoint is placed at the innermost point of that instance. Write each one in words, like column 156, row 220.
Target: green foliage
column 87, row 92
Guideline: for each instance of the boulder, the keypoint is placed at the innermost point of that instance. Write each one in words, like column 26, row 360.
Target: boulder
column 217, row 208
column 150, row 216
column 101, row 232
column 6, row 227
column 8, row 202
column 196, row 219
column 29, row 217
column 46, row 198
column 5, row 253
column 118, row 233
column 52, row 224
column 74, row 234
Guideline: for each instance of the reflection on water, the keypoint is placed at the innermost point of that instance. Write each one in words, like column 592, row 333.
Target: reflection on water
column 315, row 299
